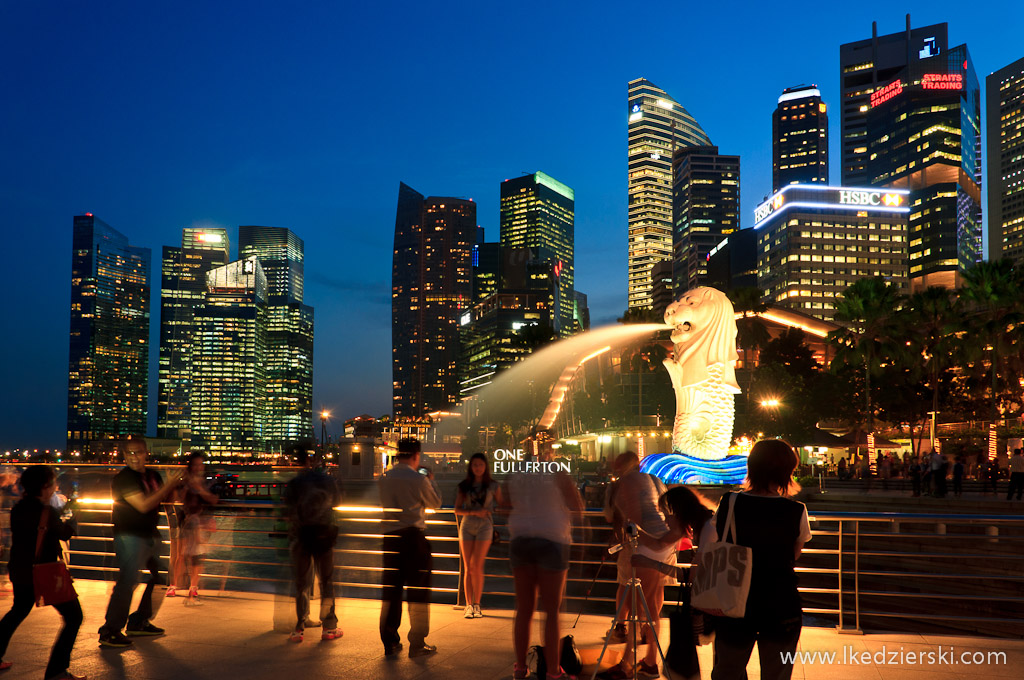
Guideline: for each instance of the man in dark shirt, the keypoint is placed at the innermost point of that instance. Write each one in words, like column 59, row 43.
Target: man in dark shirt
column 310, row 498
column 137, row 494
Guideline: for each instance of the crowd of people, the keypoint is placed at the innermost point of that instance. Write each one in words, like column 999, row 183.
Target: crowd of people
column 650, row 523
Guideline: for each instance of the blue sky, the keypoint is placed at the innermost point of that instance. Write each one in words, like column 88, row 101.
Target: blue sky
column 158, row 116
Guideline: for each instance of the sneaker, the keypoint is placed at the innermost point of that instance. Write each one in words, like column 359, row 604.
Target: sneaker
column 424, row 650
column 562, row 675
column 332, row 634
column 193, row 597
column 296, row 636
column 477, row 614
column 469, row 613
column 615, row 673
column 617, row 635
column 172, row 591
column 4, row 665
column 645, row 672
column 146, row 630
column 117, row 639
column 393, row 650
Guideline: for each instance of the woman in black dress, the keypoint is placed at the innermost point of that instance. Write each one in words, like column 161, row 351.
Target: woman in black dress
column 775, row 527
column 39, row 483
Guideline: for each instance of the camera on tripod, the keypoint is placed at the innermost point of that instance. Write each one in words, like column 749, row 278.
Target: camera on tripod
column 632, row 533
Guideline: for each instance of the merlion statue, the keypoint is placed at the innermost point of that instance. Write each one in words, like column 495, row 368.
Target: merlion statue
column 703, row 374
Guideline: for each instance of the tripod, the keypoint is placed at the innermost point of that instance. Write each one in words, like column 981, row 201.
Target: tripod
column 634, row 594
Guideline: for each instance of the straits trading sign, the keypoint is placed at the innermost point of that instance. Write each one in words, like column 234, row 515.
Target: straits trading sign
column 942, row 81
column 886, row 93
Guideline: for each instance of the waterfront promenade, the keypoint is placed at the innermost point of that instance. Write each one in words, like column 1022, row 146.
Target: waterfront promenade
column 233, row 636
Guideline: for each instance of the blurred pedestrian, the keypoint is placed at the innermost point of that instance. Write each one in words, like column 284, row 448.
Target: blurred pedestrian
column 137, row 493
column 196, row 525
column 36, row 534
column 1016, row 466
column 406, row 492
column 310, row 498
column 958, row 477
column 475, row 499
column 542, row 506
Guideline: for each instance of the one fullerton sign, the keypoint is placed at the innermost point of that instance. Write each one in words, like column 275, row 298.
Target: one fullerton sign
column 513, row 460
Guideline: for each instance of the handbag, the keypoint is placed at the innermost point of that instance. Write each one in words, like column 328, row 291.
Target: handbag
column 51, row 581
column 721, row 573
column 684, row 637
column 569, row 659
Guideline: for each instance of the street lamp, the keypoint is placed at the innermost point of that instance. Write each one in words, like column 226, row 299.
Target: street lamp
column 324, row 415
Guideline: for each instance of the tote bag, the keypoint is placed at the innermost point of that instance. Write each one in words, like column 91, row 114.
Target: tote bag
column 721, row 573
column 51, row 581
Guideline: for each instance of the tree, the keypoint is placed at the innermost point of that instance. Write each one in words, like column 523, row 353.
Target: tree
column 751, row 332
column 535, row 336
column 867, row 306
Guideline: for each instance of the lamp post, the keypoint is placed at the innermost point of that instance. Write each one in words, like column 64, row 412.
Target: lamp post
column 772, row 404
column 324, row 415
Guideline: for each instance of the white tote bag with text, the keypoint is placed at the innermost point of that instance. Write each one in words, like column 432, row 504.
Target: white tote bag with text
column 720, row 577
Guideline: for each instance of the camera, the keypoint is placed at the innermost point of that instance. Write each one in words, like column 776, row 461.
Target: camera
column 424, row 471
column 632, row 531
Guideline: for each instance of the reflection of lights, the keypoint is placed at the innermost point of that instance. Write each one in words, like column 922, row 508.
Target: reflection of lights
column 605, row 439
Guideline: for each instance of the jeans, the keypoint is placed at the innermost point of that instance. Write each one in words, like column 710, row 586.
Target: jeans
column 734, row 641
column 134, row 553
column 1016, row 483
column 71, row 612
column 407, row 570
column 304, row 563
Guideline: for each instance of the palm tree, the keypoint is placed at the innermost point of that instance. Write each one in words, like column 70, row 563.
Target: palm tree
column 751, row 331
column 867, row 306
column 929, row 323
column 992, row 291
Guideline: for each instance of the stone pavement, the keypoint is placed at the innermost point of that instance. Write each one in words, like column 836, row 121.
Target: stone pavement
column 233, row 636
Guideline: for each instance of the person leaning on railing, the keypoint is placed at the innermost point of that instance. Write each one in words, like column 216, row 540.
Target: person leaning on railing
column 39, row 483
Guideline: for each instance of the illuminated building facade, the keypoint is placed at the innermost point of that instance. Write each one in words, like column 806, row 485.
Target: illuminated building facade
column 182, row 289
column 657, row 126
column 705, row 207
column 537, row 211
column 108, row 354
column 288, row 361
column 866, row 66
column 800, row 138
column 813, row 241
column 431, row 286
column 733, row 262
column 924, row 135
column 1004, row 99
column 229, row 375
column 495, row 333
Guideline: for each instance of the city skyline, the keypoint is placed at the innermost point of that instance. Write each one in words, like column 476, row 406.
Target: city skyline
column 154, row 140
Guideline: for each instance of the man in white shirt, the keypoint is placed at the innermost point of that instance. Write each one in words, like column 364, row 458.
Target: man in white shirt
column 406, row 492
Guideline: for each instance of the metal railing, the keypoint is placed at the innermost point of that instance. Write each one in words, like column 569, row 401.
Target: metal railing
column 963, row 571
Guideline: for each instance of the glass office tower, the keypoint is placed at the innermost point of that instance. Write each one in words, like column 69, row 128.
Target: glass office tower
column 705, row 207
column 924, row 135
column 537, row 212
column 182, row 289
column 800, row 138
column 108, row 357
column 229, row 373
column 1004, row 101
column 658, row 125
column 431, row 286
column 289, row 347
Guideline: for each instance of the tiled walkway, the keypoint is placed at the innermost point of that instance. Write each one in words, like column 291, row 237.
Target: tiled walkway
column 243, row 637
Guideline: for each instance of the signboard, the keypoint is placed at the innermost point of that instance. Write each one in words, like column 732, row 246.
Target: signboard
column 862, row 197
column 886, row 93
column 768, row 207
column 512, row 460
column 942, row 81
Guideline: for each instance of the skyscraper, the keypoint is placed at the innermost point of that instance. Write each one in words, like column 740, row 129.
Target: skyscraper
column 431, row 285
column 289, row 334
column 182, row 289
column 705, row 207
column 864, row 67
column 924, row 134
column 229, row 375
column 799, row 138
column 657, row 126
column 537, row 212
column 1004, row 99
column 108, row 357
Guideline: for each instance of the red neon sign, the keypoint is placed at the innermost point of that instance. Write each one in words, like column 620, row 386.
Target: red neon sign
column 942, row 81
column 886, row 93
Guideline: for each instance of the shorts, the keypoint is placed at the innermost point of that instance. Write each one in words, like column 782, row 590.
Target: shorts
column 525, row 551
column 476, row 529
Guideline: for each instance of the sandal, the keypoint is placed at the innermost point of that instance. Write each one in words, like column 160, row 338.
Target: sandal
column 520, row 672
column 562, row 675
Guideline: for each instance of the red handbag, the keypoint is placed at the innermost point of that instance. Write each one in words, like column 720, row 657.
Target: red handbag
column 50, row 580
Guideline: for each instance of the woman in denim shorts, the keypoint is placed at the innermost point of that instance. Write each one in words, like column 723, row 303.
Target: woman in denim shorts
column 540, row 526
column 474, row 503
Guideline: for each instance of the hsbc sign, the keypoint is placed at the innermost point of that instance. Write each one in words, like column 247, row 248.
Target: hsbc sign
column 874, row 198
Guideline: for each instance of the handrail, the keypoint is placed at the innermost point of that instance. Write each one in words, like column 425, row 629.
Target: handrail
column 248, row 552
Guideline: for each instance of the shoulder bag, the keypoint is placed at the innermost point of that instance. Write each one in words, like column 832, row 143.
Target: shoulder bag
column 51, row 581
column 721, row 573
